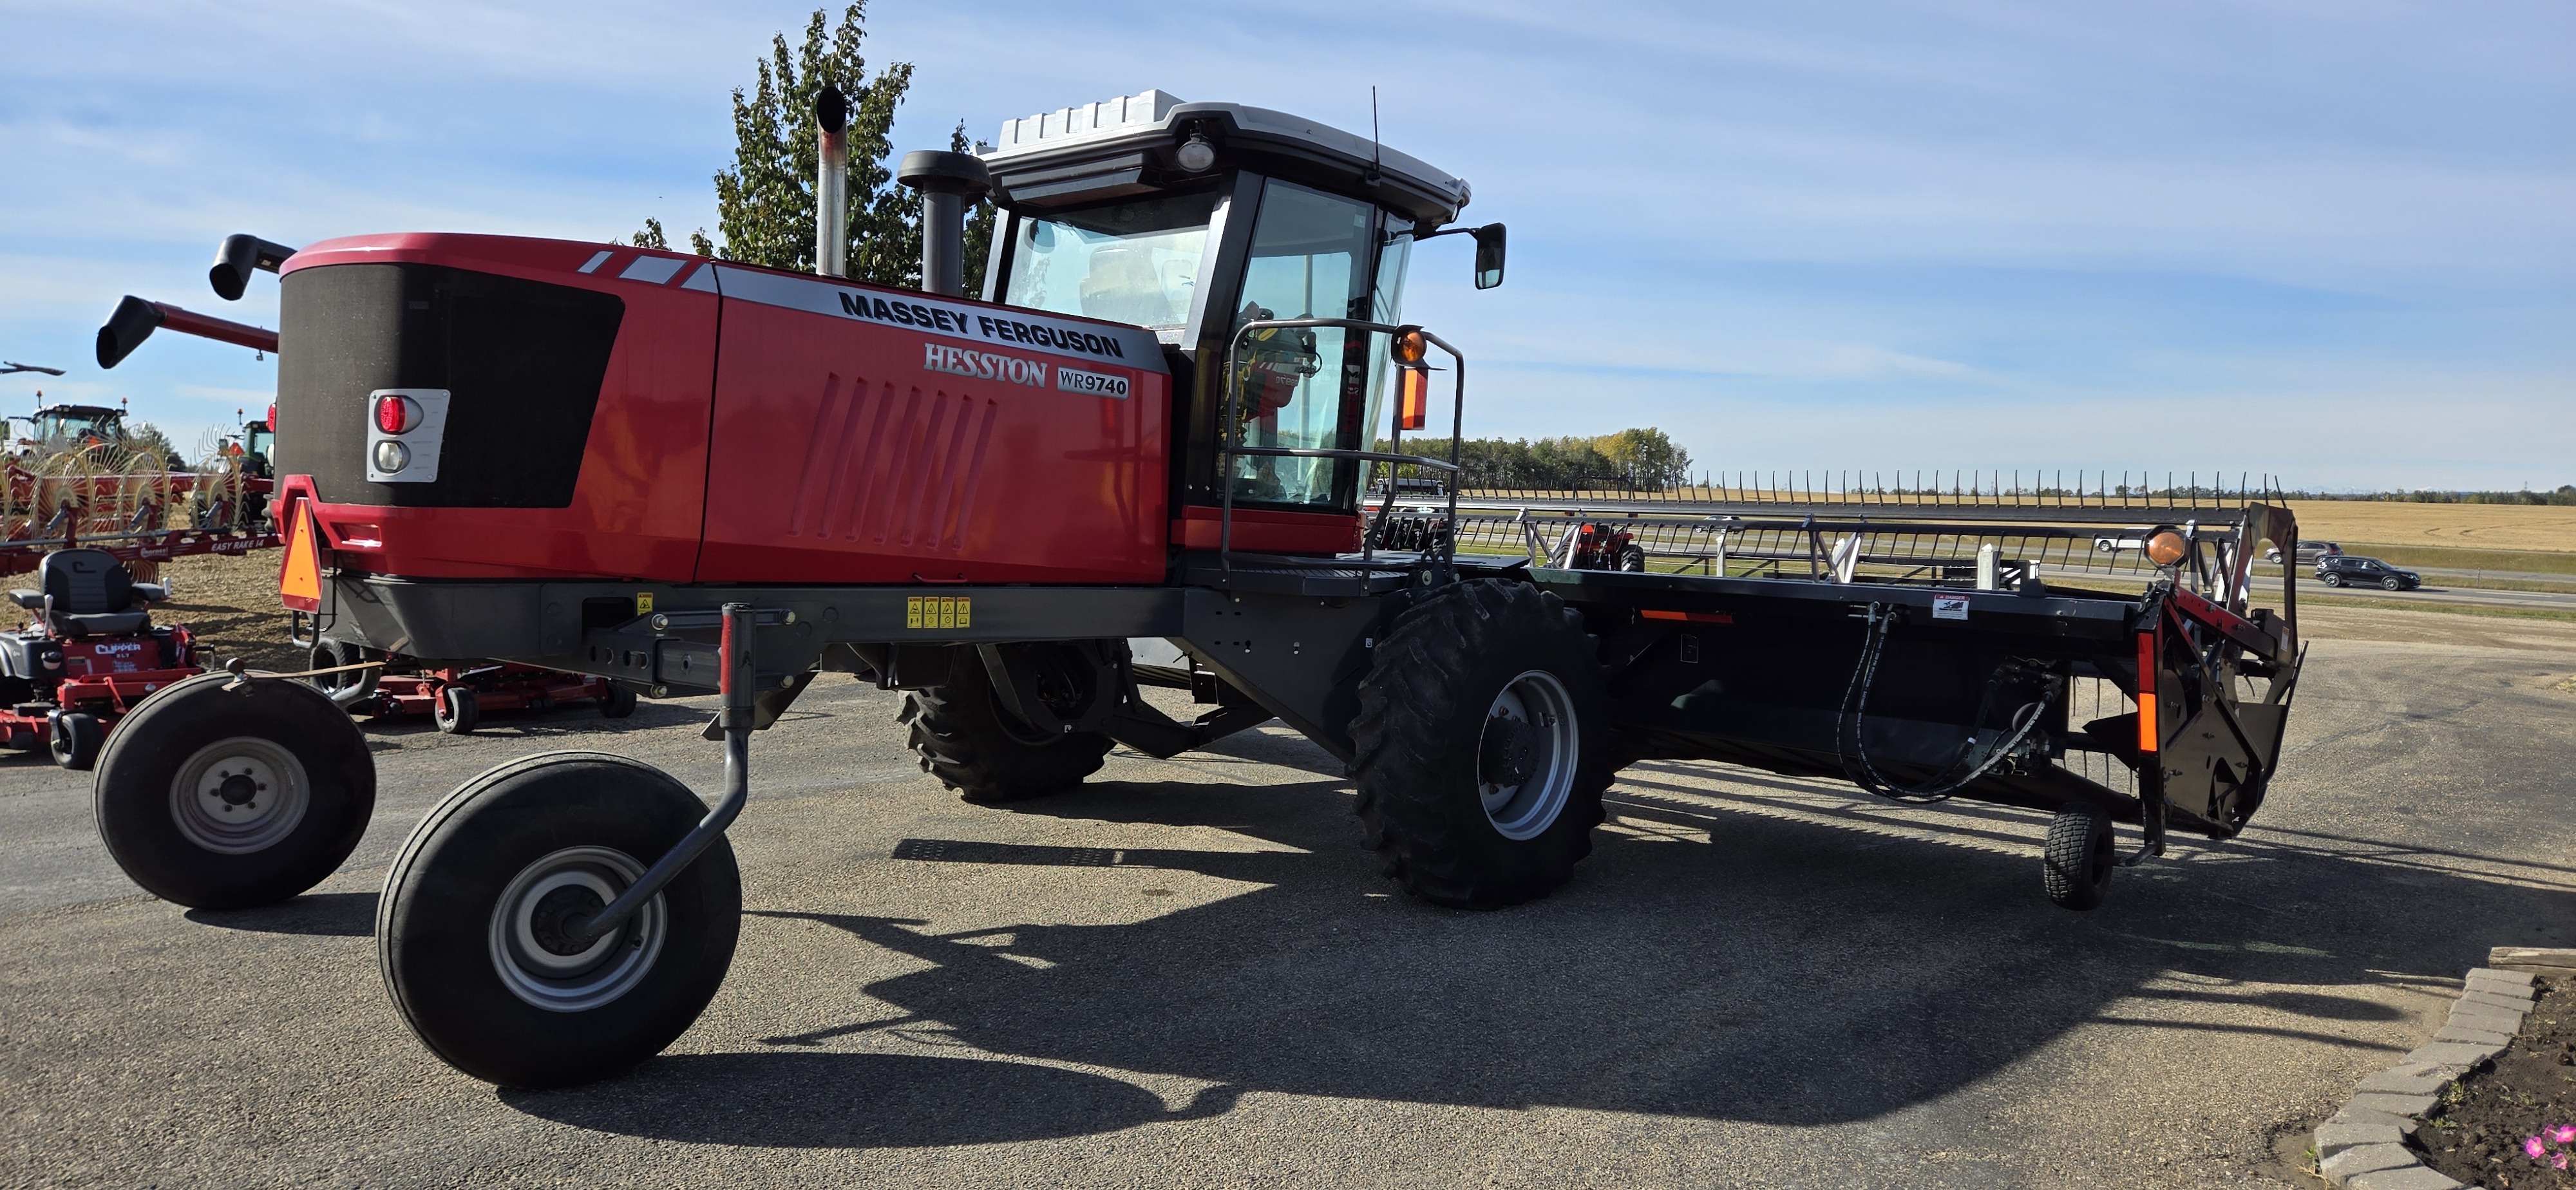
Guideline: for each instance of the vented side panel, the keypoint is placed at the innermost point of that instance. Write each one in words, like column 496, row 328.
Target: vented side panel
column 889, row 466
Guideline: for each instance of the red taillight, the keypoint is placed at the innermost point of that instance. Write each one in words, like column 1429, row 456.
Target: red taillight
column 272, row 419
column 396, row 415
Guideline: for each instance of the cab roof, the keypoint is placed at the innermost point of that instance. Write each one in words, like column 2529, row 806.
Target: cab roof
column 1127, row 145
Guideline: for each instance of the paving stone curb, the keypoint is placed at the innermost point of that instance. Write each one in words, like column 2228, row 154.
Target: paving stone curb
column 2363, row 1146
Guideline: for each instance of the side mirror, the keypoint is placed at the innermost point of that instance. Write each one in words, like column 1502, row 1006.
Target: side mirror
column 1489, row 255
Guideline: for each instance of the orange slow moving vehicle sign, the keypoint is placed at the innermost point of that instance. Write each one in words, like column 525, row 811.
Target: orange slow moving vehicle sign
column 299, row 581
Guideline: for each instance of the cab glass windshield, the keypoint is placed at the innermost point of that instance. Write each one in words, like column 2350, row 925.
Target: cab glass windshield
column 1314, row 255
column 1133, row 262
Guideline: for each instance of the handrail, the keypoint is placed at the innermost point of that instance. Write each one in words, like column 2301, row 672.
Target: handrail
column 1228, row 427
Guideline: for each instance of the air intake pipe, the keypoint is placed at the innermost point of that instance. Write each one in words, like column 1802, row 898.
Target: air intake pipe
column 947, row 181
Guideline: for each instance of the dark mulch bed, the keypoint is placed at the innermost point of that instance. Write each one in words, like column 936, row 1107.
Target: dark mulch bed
column 2477, row 1133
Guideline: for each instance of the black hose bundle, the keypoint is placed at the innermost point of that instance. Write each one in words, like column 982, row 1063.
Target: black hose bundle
column 1854, row 755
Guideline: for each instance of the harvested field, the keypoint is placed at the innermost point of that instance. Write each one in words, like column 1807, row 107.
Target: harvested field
column 2482, row 527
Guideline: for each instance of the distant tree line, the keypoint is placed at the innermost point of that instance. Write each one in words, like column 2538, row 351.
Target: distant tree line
column 1635, row 459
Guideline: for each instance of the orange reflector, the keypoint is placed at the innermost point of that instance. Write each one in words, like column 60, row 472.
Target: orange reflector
column 299, row 581
column 1413, row 398
column 1693, row 617
column 2147, row 726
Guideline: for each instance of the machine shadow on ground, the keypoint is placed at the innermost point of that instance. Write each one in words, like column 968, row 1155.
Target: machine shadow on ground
column 1781, row 972
column 323, row 915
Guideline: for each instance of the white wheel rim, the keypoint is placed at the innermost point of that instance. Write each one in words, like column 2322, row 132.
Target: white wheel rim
column 528, row 950
column 239, row 795
column 1526, row 756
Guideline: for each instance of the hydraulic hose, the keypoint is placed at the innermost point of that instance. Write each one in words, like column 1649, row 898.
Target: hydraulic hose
column 1855, row 759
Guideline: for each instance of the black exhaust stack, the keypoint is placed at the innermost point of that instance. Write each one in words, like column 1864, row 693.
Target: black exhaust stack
column 947, row 181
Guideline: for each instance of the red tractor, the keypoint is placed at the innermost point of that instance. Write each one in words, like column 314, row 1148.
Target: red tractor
column 92, row 654
column 1153, row 432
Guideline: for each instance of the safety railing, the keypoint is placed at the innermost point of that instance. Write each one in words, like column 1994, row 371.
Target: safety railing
column 1229, row 444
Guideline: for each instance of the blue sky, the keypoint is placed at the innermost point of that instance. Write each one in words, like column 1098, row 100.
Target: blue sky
column 2335, row 241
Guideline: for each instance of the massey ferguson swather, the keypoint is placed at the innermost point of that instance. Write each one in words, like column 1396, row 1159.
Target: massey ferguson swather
column 1139, row 461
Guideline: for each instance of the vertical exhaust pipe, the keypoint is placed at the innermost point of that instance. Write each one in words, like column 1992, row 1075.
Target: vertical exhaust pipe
column 832, row 183
column 947, row 181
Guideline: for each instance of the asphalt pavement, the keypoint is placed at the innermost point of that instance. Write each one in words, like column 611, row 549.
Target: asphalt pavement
column 1187, row 973
column 2434, row 591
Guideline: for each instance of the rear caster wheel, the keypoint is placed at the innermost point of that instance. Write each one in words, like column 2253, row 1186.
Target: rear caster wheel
column 221, row 798
column 1483, row 745
column 77, row 738
column 2080, row 857
column 471, row 932
column 457, row 711
column 618, row 703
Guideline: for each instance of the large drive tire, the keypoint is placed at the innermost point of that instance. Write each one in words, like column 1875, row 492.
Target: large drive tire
column 457, row 710
column 966, row 741
column 2080, row 858
column 468, row 929
column 221, row 798
column 1483, row 745
column 76, row 740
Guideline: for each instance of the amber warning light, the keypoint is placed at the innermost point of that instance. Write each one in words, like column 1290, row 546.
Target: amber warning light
column 1412, row 380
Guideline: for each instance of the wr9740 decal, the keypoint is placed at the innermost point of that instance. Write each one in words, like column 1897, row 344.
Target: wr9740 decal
column 1095, row 383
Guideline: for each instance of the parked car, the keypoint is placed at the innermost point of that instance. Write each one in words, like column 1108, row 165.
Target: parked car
column 2309, row 551
column 2340, row 570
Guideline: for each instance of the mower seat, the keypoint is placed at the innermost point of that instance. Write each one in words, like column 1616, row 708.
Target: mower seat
column 94, row 594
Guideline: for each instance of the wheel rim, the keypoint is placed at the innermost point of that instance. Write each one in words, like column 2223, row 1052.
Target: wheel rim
column 540, row 964
column 239, row 795
column 1526, row 757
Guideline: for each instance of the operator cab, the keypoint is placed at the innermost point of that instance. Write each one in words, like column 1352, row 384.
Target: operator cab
column 72, row 425
column 1193, row 219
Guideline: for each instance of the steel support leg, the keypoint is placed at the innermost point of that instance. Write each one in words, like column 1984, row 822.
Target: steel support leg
column 738, row 682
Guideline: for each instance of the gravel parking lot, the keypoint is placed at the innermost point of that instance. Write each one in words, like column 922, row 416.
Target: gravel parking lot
column 1188, row 973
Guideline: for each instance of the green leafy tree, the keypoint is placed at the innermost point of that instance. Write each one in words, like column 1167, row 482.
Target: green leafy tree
column 1648, row 457
column 979, row 223
column 765, row 202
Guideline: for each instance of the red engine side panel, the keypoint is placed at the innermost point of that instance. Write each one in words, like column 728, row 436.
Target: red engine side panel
column 637, row 510
column 838, row 433
column 855, row 447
